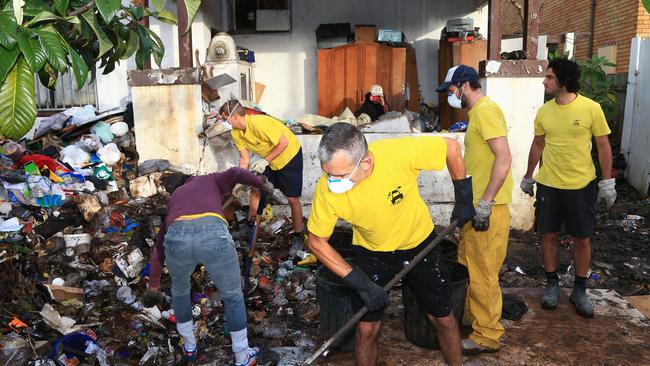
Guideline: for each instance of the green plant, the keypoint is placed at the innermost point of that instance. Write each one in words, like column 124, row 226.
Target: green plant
column 52, row 37
column 558, row 54
column 646, row 5
column 597, row 85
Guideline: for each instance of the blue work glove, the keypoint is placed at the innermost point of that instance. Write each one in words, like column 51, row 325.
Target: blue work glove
column 372, row 295
column 464, row 208
column 481, row 222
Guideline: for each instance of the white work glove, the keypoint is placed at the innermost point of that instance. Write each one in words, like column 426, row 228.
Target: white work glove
column 606, row 193
column 481, row 221
column 259, row 166
column 527, row 185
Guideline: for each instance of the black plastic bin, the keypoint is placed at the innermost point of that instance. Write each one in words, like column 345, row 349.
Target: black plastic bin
column 417, row 327
column 335, row 306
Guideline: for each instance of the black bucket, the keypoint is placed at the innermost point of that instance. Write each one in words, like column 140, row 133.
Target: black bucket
column 335, row 306
column 417, row 327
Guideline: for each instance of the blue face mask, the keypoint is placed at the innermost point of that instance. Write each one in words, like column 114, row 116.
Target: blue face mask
column 342, row 185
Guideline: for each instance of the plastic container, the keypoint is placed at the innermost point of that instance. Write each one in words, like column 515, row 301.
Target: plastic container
column 417, row 327
column 335, row 307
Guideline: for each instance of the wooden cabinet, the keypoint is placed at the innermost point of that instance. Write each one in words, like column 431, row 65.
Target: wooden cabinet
column 451, row 54
column 346, row 73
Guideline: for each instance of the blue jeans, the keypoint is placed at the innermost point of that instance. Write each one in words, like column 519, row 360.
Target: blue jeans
column 205, row 240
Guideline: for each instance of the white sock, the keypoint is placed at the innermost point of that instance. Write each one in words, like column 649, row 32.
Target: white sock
column 186, row 330
column 240, row 345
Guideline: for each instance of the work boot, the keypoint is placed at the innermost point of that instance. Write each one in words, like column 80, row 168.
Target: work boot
column 580, row 299
column 297, row 244
column 472, row 348
column 551, row 296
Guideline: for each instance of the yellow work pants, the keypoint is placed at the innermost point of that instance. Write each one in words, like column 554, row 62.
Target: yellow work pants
column 483, row 253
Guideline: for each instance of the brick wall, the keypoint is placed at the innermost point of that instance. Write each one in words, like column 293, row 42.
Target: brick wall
column 616, row 23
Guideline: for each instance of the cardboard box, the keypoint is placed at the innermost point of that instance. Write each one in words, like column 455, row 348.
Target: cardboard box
column 365, row 33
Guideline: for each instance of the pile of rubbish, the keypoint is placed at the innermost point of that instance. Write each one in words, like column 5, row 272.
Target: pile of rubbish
column 78, row 218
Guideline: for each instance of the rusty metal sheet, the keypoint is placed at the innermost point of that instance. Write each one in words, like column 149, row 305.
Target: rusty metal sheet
column 171, row 76
column 512, row 68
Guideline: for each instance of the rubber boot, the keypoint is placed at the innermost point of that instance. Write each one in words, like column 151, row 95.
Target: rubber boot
column 551, row 296
column 580, row 299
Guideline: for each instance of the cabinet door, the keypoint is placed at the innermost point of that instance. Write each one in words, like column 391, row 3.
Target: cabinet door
column 352, row 98
column 331, row 81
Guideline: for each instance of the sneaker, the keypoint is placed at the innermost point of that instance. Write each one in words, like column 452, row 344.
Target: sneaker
column 551, row 296
column 190, row 356
column 580, row 299
column 252, row 357
column 472, row 348
column 297, row 244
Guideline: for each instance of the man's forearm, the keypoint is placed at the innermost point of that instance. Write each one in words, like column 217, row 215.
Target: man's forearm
column 535, row 154
column 500, row 169
column 605, row 160
column 328, row 256
column 278, row 149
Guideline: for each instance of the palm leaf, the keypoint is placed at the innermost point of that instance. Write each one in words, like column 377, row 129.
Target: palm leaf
column 50, row 40
column 7, row 60
column 8, row 30
column 192, row 7
column 108, row 8
column 104, row 42
column 17, row 101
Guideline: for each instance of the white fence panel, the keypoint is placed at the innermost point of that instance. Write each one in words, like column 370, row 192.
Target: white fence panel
column 635, row 143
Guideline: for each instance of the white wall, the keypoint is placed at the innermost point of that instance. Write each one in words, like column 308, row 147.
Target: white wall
column 286, row 62
column 519, row 99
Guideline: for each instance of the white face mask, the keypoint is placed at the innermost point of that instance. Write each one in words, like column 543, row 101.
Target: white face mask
column 226, row 122
column 342, row 185
column 454, row 101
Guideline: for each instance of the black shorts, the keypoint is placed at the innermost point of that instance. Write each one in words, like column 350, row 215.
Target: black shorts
column 575, row 208
column 288, row 179
column 429, row 280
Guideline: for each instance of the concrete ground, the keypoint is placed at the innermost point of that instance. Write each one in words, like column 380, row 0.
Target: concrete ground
column 618, row 335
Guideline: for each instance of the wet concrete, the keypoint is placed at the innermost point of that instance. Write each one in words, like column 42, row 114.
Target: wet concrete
column 617, row 335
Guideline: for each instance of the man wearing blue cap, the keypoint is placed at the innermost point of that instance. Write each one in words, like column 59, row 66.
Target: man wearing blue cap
column 483, row 243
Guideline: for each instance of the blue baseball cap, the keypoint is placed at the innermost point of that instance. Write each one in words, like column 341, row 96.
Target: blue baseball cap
column 456, row 75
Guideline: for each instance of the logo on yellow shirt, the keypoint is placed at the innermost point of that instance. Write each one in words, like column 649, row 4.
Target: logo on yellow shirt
column 396, row 196
column 576, row 123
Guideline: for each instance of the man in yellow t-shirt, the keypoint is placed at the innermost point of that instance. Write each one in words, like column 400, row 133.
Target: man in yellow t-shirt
column 281, row 161
column 375, row 189
column 484, row 242
column 566, row 190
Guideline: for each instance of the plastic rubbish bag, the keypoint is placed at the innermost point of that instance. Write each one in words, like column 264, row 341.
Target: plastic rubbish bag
column 74, row 155
column 103, row 130
column 14, row 350
column 82, row 115
column 110, row 154
column 119, row 129
column 90, row 143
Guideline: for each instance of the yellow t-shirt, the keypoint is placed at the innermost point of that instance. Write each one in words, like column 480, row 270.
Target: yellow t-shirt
column 486, row 121
column 385, row 209
column 568, row 130
column 262, row 134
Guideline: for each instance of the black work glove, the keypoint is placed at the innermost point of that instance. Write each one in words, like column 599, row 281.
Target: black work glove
column 481, row 222
column 464, row 208
column 372, row 294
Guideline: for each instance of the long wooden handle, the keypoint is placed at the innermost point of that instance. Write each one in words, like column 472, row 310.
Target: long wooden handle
column 347, row 326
